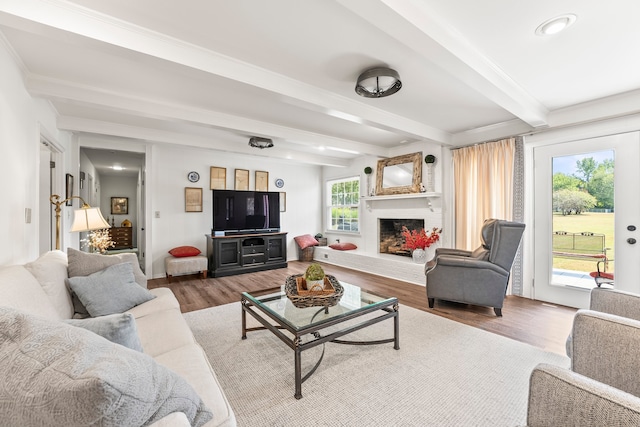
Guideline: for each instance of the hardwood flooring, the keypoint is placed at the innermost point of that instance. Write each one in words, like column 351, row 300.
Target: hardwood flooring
column 543, row 325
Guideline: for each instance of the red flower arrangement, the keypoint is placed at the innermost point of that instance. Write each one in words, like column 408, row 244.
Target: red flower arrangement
column 420, row 239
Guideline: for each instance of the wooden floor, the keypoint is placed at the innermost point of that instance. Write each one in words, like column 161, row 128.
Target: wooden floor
column 543, row 325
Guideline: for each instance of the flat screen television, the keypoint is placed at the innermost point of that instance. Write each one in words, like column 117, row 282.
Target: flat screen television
column 245, row 212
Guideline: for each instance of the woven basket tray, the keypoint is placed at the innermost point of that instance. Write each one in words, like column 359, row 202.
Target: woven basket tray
column 303, row 298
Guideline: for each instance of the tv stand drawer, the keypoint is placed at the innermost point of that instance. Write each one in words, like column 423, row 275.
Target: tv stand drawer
column 252, row 250
column 253, row 259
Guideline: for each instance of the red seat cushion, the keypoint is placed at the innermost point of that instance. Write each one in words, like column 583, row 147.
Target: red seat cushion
column 306, row 241
column 346, row 246
column 595, row 274
column 184, row 251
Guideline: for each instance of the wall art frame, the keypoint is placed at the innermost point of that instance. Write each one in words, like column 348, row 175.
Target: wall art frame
column 218, row 178
column 193, row 199
column 283, row 201
column 119, row 206
column 241, row 180
column 262, row 181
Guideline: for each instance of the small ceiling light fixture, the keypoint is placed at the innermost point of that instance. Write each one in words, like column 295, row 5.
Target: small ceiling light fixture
column 258, row 142
column 378, row 82
column 555, row 25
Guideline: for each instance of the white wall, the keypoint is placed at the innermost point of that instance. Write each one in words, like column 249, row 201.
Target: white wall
column 367, row 238
column 22, row 120
column 175, row 227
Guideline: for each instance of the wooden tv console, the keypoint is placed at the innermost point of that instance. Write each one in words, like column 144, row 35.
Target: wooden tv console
column 246, row 253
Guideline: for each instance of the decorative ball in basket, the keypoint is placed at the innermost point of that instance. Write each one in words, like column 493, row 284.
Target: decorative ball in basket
column 314, row 276
column 304, row 290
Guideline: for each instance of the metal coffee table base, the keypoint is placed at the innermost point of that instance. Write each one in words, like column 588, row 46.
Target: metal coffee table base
column 390, row 310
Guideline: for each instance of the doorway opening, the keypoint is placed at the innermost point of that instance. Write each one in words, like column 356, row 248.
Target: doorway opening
column 113, row 180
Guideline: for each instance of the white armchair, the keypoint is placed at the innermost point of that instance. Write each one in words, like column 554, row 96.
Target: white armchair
column 603, row 386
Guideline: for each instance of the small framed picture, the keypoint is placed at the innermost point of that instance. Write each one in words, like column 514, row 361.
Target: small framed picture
column 218, row 178
column 242, row 180
column 262, row 181
column 192, row 199
column 283, row 201
column 69, row 189
column 119, row 206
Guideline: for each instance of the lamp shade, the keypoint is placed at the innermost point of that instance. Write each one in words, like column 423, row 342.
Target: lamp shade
column 86, row 219
column 378, row 82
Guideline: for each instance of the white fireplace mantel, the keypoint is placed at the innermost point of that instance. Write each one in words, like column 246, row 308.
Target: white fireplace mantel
column 402, row 196
column 425, row 196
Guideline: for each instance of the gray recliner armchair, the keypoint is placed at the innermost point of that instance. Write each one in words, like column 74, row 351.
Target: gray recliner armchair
column 478, row 277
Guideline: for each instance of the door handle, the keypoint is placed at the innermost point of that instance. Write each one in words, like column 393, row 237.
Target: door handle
column 631, row 241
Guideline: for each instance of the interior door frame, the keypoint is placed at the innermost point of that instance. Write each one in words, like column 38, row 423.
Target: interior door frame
column 50, row 181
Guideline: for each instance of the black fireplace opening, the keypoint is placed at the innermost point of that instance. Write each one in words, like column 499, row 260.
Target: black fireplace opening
column 390, row 237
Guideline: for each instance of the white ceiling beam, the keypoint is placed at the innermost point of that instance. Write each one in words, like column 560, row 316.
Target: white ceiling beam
column 623, row 104
column 414, row 25
column 616, row 106
column 75, row 124
column 40, row 86
column 91, row 24
column 491, row 133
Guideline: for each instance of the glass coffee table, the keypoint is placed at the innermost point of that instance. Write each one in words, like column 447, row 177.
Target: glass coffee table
column 307, row 327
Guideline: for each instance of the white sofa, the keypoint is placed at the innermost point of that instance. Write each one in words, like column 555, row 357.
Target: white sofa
column 39, row 288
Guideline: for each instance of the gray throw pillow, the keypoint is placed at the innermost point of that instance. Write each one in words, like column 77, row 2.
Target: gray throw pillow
column 56, row 374
column 109, row 291
column 117, row 328
column 83, row 263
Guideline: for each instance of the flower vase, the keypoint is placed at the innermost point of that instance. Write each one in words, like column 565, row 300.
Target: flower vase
column 419, row 256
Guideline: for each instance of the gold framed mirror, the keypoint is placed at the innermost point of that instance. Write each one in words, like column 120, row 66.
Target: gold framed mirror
column 399, row 175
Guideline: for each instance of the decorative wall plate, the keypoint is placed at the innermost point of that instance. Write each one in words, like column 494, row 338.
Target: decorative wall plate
column 193, row 176
column 279, row 183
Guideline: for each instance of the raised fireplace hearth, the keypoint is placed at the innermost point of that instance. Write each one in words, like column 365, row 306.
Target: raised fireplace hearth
column 390, row 236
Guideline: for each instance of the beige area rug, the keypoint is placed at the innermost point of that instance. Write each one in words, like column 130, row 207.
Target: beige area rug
column 445, row 374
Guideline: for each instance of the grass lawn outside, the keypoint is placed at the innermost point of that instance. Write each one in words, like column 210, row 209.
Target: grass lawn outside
column 594, row 222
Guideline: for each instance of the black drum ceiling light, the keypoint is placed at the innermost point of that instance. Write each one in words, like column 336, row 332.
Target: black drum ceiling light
column 258, row 142
column 378, row 82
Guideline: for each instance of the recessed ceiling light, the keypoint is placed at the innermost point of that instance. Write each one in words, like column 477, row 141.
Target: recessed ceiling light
column 117, row 168
column 555, row 25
